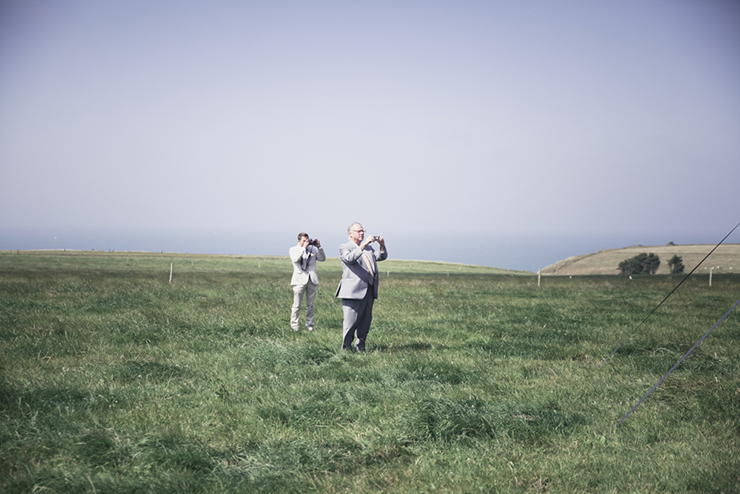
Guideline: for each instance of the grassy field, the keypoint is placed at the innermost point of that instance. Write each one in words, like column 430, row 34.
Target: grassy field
column 607, row 261
column 73, row 260
column 476, row 380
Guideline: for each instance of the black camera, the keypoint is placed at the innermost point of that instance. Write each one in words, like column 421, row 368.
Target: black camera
column 312, row 241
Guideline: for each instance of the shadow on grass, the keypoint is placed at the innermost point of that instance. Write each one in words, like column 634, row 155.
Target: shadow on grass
column 660, row 359
column 521, row 348
column 433, row 372
column 414, row 346
column 151, row 371
column 50, row 400
column 451, row 419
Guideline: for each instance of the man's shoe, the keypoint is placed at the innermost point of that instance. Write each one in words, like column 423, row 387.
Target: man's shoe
column 310, row 328
column 295, row 329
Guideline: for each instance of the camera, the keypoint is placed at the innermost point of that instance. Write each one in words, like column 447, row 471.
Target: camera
column 312, row 241
column 376, row 238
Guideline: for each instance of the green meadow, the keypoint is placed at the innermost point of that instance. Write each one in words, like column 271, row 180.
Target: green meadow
column 114, row 379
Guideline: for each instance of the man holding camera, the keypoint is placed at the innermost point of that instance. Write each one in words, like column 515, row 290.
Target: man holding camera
column 304, row 280
column 358, row 287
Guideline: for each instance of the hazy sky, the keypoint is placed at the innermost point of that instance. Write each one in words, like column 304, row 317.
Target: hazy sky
column 431, row 122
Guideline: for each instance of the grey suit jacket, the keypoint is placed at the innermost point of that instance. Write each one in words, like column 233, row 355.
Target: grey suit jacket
column 297, row 253
column 355, row 275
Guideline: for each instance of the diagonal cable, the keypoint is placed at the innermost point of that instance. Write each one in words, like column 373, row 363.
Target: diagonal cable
column 681, row 360
column 674, row 289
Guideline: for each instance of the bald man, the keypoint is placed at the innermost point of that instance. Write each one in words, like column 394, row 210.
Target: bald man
column 358, row 287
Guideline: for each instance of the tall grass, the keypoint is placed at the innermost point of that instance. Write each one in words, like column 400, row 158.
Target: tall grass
column 114, row 380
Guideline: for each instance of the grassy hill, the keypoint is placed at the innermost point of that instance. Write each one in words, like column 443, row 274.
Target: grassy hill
column 606, row 261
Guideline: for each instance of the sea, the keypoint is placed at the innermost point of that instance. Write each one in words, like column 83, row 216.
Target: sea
column 513, row 251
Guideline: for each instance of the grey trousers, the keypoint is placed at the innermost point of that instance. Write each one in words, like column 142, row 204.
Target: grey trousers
column 309, row 289
column 358, row 314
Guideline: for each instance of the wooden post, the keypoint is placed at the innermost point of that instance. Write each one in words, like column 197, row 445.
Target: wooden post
column 171, row 272
column 539, row 276
column 710, row 276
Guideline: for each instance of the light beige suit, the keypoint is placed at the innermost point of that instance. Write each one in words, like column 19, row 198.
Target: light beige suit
column 304, row 281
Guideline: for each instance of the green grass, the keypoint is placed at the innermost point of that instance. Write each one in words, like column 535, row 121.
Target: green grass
column 114, row 380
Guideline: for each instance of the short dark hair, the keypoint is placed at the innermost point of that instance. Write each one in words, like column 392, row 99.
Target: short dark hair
column 302, row 235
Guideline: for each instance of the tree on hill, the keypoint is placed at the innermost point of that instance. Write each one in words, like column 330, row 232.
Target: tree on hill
column 640, row 264
column 675, row 264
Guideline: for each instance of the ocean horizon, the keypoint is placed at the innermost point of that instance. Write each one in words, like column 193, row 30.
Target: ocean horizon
column 523, row 252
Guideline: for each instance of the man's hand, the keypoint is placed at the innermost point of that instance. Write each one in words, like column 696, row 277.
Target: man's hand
column 370, row 239
column 317, row 243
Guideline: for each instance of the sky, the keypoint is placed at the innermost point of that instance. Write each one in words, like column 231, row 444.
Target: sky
column 511, row 134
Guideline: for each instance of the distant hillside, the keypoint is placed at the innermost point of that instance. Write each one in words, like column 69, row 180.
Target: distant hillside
column 606, row 261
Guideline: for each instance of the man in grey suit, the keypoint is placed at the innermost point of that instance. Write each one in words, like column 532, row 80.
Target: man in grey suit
column 304, row 280
column 358, row 287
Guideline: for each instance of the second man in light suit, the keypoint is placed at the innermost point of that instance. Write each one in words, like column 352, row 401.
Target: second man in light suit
column 304, row 280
